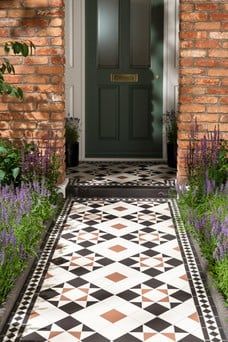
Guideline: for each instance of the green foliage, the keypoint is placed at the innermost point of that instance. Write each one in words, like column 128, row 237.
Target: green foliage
column 9, row 163
column 28, row 234
column 72, row 130
column 220, row 271
column 18, row 48
column 170, row 119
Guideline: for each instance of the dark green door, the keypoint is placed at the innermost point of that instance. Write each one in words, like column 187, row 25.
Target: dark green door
column 124, row 78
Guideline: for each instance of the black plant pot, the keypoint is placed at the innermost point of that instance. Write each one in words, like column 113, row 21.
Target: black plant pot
column 172, row 154
column 72, row 154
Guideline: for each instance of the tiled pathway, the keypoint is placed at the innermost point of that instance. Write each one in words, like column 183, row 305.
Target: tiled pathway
column 121, row 270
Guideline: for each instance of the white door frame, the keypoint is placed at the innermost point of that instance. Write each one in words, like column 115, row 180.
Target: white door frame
column 75, row 66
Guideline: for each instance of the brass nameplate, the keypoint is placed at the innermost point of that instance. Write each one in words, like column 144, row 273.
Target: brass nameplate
column 124, row 77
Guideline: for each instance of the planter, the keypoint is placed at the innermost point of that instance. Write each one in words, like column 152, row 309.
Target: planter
column 172, row 154
column 72, row 154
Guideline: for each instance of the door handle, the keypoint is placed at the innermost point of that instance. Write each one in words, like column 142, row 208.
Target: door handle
column 157, row 77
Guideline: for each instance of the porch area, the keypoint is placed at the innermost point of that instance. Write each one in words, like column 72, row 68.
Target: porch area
column 117, row 269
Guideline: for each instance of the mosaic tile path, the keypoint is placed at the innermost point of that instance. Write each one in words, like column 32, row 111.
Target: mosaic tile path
column 120, row 270
column 121, row 174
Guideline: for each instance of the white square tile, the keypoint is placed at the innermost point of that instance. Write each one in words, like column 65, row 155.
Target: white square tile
column 122, row 178
column 117, row 249
column 120, row 208
column 119, row 226
column 128, row 278
column 134, row 317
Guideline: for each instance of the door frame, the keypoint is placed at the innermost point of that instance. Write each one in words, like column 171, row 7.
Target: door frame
column 75, row 67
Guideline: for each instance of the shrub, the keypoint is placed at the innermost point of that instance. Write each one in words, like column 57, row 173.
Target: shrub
column 27, row 163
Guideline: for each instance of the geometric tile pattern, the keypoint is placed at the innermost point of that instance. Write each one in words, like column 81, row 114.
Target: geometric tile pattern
column 121, row 174
column 116, row 270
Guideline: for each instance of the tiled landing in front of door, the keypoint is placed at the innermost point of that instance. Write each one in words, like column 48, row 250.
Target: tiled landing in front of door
column 122, row 271
column 121, row 174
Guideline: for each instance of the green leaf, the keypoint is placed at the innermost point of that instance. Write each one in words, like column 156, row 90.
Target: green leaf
column 2, row 175
column 15, row 172
column 6, row 48
column 3, row 150
column 25, row 50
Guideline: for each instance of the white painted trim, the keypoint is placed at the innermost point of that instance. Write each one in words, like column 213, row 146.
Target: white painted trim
column 170, row 70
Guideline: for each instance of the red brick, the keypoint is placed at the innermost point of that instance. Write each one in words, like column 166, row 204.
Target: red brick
column 219, row 16
column 207, row 44
column 192, row 108
column 56, row 3
column 208, row 25
column 35, row 4
column 218, row 90
column 21, row 13
column 218, row 35
column 191, row 71
column 224, row 100
column 192, row 90
column 56, row 41
column 205, row 62
column 36, row 60
column 3, row 13
column 206, row 7
column 49, row 51
column 35, row 22
column 193, row 35
column 218, row 53
column 186, row 7
column 205, row 99
column 194, row 16
column 217, row 109
column 193, row 53
column 218, row 72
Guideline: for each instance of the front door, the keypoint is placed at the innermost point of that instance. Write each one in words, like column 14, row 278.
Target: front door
column 124, row 78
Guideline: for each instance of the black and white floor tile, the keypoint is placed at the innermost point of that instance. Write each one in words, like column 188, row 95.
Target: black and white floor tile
column 118, row 270
column 121, row 174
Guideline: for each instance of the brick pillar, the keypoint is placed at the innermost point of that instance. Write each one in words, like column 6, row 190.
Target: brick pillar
column 203, row 69
column 41, row 76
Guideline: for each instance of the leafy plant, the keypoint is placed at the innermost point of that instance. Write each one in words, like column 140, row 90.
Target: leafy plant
column 18, row 48
column 203, row 203
column 9, row 163
column 72, row 130
column 23, row 211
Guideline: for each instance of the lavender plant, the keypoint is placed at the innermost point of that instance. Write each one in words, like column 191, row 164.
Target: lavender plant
column 203, row 202
column 22, row 212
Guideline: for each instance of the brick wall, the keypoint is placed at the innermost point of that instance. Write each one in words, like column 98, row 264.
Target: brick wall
column 203, row 69
column 41, row 76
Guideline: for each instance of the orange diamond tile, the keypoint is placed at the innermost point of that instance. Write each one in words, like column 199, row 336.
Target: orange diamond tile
column 113, row 316
column 117, row 248
column 119, row 226
column 115, row 277
column 120, row 208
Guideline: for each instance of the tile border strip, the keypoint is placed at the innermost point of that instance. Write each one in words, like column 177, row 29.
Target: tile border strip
column 209, row 320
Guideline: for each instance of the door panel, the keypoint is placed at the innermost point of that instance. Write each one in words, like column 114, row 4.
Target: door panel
column 123, row 92
column 139, row 107
column 108, row 33
column 108, row 113
column 140, row 23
